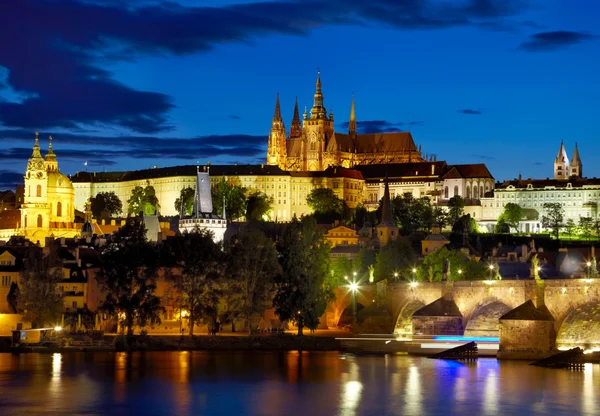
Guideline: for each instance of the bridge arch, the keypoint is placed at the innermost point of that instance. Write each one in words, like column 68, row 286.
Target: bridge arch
column 581, row 328
column 404, row 327
column 484, row 321
column 346, row 318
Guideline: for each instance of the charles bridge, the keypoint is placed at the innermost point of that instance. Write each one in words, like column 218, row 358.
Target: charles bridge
column 529, row 316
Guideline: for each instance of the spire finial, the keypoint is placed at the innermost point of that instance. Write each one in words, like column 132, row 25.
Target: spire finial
column 50, row 152
column 37, row 138
column 296, row 129
column 352, row 123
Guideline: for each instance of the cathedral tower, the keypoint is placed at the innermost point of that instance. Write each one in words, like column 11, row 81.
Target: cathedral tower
column 386, row 230
column 34, row 210
column 576, row 166
column 561, row 163
column 318, row 129
column 277, row 151
column 296, row 128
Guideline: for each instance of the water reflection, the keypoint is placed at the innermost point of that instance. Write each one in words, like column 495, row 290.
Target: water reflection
column 290, row 383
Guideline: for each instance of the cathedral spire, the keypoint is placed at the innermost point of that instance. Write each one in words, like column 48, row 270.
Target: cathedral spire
column 296, row 128
column 318, row 110
column 352, row 123
column 277, row 115
column 576, row 165
column 386, row 209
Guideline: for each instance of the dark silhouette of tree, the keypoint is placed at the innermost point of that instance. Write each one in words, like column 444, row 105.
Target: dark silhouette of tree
column 39, row 297
column 258, row 206
column 108, row 201
column 128, row 274
column 512, row 215
column 456, row 208
column 199, row 284
column 306, row 284
column 397, row 257
column 252, row 261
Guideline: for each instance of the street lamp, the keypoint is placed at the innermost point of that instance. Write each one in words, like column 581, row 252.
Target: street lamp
column 353, row 289
column 58, row 328
column 491, row 272
column 459, row 272
column 345, row 277
column 396, row 275
column 589, row 264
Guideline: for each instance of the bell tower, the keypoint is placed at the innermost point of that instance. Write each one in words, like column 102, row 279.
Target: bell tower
column 277, row 150
column 34, row 210
column 318, row 129
column 561, row 163
column 576, row 165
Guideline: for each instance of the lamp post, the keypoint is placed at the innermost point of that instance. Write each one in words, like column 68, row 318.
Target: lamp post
column 588, row 264
column 459, row 273
column 353, row 289
column 491, row 272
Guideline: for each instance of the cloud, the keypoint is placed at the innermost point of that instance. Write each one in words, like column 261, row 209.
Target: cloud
column 104, row 150
column 10, row 179
column 234, row 117
column 484, row 157
column 470, row 111
column 63, row 80
column 548, row 41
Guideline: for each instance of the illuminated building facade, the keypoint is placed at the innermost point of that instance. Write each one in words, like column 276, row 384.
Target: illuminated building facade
column 315, row 145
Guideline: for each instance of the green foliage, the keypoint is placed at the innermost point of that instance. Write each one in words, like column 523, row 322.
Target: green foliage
column 128, row 277
column 456, row 208
column 258, row 207
column 553, row 217
column 39, row 298
column 306, row 283
column 252, row 267
column 439, row 217
column 143, row 200
column 346, row 267
column 570, row 226
column 512, row 215
column 326, row 206
column 465, row 224
column 442, row 261
column 586, row 227
column 234, row 196
column 187, row 196
column 108, row 201
column 397, row 257
column 501, row 227
column 411, row 214
column 200, row 282
column 531, row 214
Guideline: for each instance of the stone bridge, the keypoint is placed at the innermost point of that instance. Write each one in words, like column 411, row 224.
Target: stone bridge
column 475, row 309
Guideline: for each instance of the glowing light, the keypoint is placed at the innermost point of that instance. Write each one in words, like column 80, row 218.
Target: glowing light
column 459, row 271
column 354, row 274
column 414, row 284
column 346, row 277
column 488, row 282
column 396, row 274
column 414, row 270
column 353, row 286
column 491, row 267
column 564, row 290
column 387, row 342
column 588, row 280
column 184, row 313
column 58, row 328
column 589, row 263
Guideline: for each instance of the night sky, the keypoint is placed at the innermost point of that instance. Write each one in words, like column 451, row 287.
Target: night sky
column 131, row 84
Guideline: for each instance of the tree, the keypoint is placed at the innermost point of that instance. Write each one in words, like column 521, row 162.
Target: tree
column 512, row 215
column 252, row 260
column 305, row 285
column 456, row 207
column 326, row 206
column 128, row 274
column 108, row 201
column 439, row 217
column 553, row 217
column 199, row 283
column 39, row 298
column 466, row 223
column 234, row 196
column 501, row 227
column 412, row 214
column 570, row 227
column 142, row 200
column 586, row 225
column 450, row 263
column 258, row 207
column 187, row 196
column 394, row 260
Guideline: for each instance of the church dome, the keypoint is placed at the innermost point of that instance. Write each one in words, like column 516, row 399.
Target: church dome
column 59, row 181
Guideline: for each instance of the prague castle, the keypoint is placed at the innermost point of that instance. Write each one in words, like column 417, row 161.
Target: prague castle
column 315, row 145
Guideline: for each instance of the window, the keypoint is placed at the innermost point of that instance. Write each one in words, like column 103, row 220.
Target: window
column 25, row 221
column 468, row 192
column 446, row 192
column 40, row 221
column 456, row 191
column 59, row 209
column 5, row 281
column 38, row 191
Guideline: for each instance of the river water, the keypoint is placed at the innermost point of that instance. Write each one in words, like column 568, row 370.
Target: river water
column 287, row 384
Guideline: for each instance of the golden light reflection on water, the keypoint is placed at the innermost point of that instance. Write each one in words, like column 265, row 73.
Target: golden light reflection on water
column 413, row 394
column 490, row 393
column 351, row 389
column 589, row 397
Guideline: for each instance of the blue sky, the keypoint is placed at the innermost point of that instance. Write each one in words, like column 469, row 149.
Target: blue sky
column 132, row 84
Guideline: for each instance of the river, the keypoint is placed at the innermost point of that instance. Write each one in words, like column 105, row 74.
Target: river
column 287, row 384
